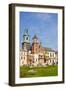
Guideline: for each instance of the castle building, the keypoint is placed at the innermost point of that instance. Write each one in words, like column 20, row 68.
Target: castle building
column 26, row 40
column 36, row 54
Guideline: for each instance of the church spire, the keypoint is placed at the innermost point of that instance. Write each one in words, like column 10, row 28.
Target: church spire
column 27, row 30
column 26, row 37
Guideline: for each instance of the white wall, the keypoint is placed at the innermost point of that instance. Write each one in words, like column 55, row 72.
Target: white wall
column 4, row 45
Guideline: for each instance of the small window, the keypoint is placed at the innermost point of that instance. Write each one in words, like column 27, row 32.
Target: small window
column 36, row 49
column 21, row 57
column 53, row 54
column 33, row 61
column 39, row 46
column 27, row 38
column 41, row 56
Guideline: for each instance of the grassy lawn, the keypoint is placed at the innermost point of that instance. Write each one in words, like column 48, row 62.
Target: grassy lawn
column 38, row 71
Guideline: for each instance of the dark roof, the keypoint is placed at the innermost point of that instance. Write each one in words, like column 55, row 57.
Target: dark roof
column 35, row 37
column 49, row 49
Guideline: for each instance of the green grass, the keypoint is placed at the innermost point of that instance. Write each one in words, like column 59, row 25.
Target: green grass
column 39, row 71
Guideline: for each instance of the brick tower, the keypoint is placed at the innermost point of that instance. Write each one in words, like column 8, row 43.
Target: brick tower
column 35, row 45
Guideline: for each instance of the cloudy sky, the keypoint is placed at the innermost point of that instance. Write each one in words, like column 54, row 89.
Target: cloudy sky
column 44, row 25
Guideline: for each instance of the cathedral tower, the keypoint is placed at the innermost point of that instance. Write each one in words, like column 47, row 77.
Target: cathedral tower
column 35, row 45
column 26, row 40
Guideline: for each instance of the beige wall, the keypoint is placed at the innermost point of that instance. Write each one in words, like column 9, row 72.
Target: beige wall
column 23, row 58
column 28, row 58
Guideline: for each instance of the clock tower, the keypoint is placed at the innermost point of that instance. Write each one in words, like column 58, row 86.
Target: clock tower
column 26, row 40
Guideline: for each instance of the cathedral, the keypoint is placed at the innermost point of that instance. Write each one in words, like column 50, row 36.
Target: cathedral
column 34, row 54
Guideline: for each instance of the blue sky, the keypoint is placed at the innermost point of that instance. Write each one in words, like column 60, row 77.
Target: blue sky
column 44, row 25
